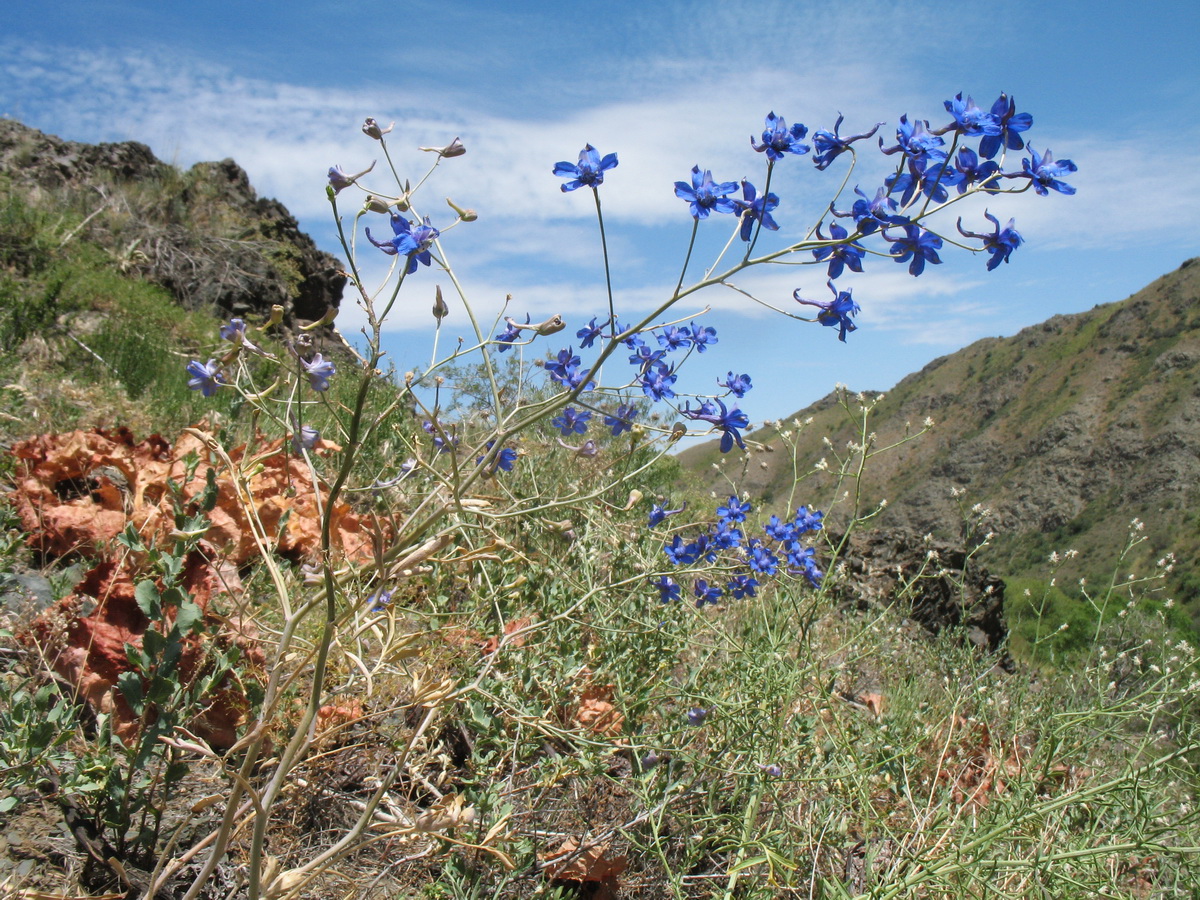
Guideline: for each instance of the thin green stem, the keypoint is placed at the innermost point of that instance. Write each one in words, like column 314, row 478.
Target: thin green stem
column 612, row 313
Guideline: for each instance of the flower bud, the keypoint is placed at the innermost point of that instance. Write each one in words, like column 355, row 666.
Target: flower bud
column 440, row 309
column 467, row 215
column 376, row 204
column 276, row 317
column 372, row 130
column 452, row 149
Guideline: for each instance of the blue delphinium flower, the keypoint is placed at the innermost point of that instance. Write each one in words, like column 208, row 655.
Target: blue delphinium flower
column 736, row 384
column 974, row 172
column 1044, row 171
column 305, row 439
column 668, row 590
column 505, row 458
column 205, row 376
column 742, row 586
column 706, row 593
column 622, row 420
column 760, row 558
column 1000, row 243
column 572, row 421
column 646, row 356
column 588, row 334
column 705, row 195
column 658, row 382
column 589, row 172
column 235, row 331
column 840, row 255
column 756, row 209
column 675, row 337
column 679, row 553
column 870, row 215
column 803, row 559
column 703, row 337
column 916, row 142
column 806, row 520
column 588, row 449
column 779, row 530
column 409, row 240
column 1012, row 125
column 440, row 444
column 379, row 601
column 733, row 511
column 834, row 312
column 729, row 421
column 510, row 334
column 659, row 513
column 969, row 119
column 697, row 716
column 918, row 245
column 725, row 535
column 778, row 139
column 561, row 367
column 830, row 146
column 319, row 371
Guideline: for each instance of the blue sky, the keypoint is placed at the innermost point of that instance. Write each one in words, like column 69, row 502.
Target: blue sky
column 282, row 88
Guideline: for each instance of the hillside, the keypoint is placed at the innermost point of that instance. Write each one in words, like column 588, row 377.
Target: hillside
column 1067, row 431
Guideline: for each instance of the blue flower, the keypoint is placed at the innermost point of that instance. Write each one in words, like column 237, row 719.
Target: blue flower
column 869, row 215
column 970, row 120
column 1012, row 125
column 572, row 421
column 706, row 593
column 1044, row 172
column 918, row 144
column 842, row 254
column 319, row 371
column 645, row 357
column 753, row 210
column 729, row 421
column 831, row 146
column 778, row 139
column 378, row 602
column 724, row 536
column 679, row 553
column 760, row 558
column 622, row 420
column 589, row 172
column 658, row 514
column 697, row 716
column 804, row 560
column 704, row 195
column 235, row 331
column 510, row 334
column 305, row 439
column 779, row 530
column 205, row 376
column 587, row 449
column 1000, row 243
column 737, row 384
column 675, row 337
column 409, row 240
column 834, row 312
column 806, row 521
column 703, row 337
column 733, row 511
column 918, row 245
column 563, row 365
column 438, row 434
column 588, row 334
column 658, row 383
column 504, row 460
column 973, row 172
column 742, row 586
column 339, row 180
column 930, row 179
column 668, row 590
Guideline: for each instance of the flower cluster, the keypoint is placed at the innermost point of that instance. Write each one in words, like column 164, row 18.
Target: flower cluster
column 724, row 545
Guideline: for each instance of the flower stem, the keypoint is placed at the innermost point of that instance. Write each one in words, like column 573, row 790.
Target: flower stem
column 612, row 314
column 686, row 259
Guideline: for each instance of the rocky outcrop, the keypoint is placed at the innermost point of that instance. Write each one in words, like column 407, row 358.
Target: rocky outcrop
column 203, row 234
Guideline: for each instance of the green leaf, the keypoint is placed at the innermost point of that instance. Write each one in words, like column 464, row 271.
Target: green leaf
column 130, row 684
column 209, row 499
column 188, row 617
column 148, row 600
column 7, row 804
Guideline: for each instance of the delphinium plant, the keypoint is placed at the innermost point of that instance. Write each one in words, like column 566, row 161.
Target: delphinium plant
column 464, row 479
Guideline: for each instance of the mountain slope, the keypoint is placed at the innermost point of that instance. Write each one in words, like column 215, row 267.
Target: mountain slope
column 1067, row 430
